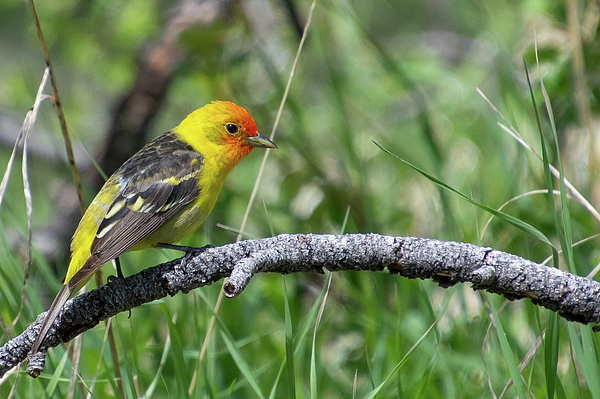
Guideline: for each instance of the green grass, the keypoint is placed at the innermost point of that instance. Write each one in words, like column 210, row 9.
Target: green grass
column 401, row 74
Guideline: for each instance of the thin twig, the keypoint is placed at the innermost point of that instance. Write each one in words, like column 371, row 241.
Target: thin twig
column 28, row 124
column 277, row 118
column 255, row 188
column 59, row 110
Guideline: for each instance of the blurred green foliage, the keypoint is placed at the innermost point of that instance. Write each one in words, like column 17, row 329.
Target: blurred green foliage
column 402, row 74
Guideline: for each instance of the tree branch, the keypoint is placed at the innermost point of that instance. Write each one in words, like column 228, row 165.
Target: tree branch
column 573, row 297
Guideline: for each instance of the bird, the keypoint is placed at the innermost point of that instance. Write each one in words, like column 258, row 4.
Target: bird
column 160, row 195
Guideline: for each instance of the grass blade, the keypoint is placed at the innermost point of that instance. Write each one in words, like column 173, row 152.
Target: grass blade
column 591, row 360
column 178, row 360
column 240, row 362
column 289, row 346
column 313, row 366
column 378, row 388
column 551, row 353
column 526, row 227
column 56, row 375
column 509, row 356
column 163, row 360
column 586, row 357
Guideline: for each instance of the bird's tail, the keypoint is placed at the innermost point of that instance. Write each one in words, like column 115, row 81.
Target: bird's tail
column 59, row 301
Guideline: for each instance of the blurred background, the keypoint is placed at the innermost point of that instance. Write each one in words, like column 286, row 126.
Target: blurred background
column 400, row 73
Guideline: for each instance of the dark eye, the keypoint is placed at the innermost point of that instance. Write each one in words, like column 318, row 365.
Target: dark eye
column 231, row 128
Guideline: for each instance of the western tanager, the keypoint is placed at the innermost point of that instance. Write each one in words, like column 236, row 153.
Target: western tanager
column 160, row 195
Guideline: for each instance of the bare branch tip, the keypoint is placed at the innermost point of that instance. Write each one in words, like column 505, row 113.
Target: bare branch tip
column 230, row 290
column 35, row 363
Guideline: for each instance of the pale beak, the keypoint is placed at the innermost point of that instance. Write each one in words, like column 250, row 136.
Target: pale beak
column 260, row 141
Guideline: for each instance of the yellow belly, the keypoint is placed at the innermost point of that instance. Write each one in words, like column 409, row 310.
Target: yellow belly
column 179, row 226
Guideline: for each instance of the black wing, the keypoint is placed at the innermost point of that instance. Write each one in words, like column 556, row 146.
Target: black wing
column 153, row 185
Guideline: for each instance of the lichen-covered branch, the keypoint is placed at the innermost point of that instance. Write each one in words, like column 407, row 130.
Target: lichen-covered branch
column 573, row 297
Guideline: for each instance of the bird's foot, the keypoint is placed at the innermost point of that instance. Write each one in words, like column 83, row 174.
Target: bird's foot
column 119, row 275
